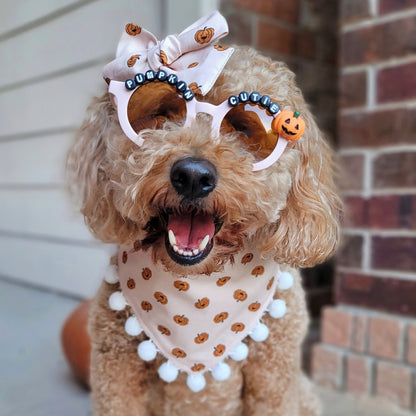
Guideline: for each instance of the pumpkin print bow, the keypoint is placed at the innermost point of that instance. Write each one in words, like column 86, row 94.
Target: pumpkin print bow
column 193, row 55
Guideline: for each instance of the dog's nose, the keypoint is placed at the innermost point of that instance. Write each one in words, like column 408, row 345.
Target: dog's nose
column 193, row 178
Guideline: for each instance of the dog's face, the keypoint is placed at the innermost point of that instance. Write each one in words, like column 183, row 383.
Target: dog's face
column 191, row 197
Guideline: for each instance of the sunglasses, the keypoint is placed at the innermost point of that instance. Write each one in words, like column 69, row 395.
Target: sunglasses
column 151, row 99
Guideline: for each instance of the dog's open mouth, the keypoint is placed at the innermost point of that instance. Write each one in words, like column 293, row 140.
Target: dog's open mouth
column 189, row 236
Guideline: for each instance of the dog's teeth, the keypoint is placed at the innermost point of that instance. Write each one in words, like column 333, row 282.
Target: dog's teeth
column 172, row 238
column 204, row 243
column 195, row 251
column 180, row 251
column 175, row 248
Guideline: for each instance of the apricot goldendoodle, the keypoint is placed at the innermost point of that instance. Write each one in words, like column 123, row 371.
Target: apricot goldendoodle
column 214, row 206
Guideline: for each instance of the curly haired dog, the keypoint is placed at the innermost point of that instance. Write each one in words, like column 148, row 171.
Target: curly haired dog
column 289, row 210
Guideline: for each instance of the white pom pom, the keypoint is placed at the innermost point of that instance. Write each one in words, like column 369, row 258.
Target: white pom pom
column 277, row 308
column 284, row 281
column 116, row 301
column 259, row 333
column 195, row 382
column 147, row 350
column 132, row 326
column 239, row 352
column 221, row 372
column 168, row 372
column 111, row 274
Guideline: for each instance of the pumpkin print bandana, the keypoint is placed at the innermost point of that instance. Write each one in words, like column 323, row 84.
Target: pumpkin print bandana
column 193, row 55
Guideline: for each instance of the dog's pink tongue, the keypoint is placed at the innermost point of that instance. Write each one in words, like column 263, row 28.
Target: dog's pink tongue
column 190, row 229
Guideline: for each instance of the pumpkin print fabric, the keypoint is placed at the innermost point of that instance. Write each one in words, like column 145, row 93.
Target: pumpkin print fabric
column 196, row 321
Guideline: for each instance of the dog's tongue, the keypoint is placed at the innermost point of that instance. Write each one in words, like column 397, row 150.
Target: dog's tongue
column 190, row 229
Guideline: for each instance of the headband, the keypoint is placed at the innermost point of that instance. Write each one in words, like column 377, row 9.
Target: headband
column 193, row 55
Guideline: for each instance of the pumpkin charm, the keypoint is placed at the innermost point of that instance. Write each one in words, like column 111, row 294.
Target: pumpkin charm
column 193, row 65
column 163, row 330
column 221, row 317
column 202, row 303
column 131, row 284
column 163, row 58
column 247, row 258
column 132, row 29
column 194, row 87
column 136, row 246
column 270, row 284
column 219, row 350
column 220, row 47
column 204, row 35
column 146, row 273
column 178, row 353
column 124, row 257
column 132, row 60
column 201, row 338
column 240, row 295
column 223, row 280
column 289, row 125
column 198, row 367
column 181, row 286
column 160, row 297
column 257, row 271
column 181, row 320
column 237, row 327
column 253, row 307
column 146, row 306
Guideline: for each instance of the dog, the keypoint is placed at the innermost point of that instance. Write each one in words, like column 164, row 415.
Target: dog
column 189, row 184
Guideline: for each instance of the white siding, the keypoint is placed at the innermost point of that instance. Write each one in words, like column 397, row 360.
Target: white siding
column 51, row 54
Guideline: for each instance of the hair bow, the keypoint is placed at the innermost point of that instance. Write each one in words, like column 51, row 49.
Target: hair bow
column 193, row 55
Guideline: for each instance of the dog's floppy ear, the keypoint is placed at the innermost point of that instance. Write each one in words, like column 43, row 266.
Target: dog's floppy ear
column 307, row 232
column 87, row 168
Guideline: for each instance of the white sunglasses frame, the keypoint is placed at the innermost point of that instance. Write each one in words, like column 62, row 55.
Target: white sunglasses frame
column 122, row 96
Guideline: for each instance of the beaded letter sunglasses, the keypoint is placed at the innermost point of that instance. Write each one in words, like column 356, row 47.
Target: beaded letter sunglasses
column 150, row 99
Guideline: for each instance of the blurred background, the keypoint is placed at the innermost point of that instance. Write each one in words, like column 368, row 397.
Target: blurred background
column 355, row 61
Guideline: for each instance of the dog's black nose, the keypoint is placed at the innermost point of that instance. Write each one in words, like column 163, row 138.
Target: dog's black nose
column 193, row 178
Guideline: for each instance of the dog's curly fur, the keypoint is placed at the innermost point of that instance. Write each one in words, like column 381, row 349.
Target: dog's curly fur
column 290, row 209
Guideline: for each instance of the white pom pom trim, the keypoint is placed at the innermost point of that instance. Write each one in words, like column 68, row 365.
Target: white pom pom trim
column 277, row 308
column 132, row 326
column 259, row 333
column 111, row 274
column 168, row 372
column 239, row 353
column 284, row 281
column 221, row 372
column 147, row 350
column 195, row 382
column 116, row 301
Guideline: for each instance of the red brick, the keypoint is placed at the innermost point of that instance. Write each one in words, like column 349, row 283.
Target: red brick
column 392, row 211
column 275, row 38
column 383, row 294
column 354, row 10
column 394, row 253
column 305, row 44
column 359, row 374
column 359, row 334
column 336, row 327
column 395, row 170
column 353, row 89
column 327, row 366
column 350, row 252
column 284, row 10
column 352, row 170
column 379, row 42
column 411, row 344
column 381, row 128
column 385, row 337
column 396, row 83
column 394, row 382
column 355, row 212
column 389, row 6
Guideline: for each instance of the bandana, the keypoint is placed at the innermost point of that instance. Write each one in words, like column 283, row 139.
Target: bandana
column 193, row 55
column 196, row 322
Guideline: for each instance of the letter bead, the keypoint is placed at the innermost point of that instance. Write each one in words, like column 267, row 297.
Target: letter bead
column 139, row 78
column 188, row 95
column 233, row 100
column 274, row 108
column 181, row 86
column 130, row 84
column 265, row 101
column 172, row 79
column 150, row 75
column 243, row 96
column 255, row 97
column 161, row 75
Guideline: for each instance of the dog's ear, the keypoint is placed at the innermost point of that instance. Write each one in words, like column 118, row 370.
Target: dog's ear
column 87, row 170
column 307, row 232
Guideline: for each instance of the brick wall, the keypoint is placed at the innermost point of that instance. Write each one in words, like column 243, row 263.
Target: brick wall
column 369, row 339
